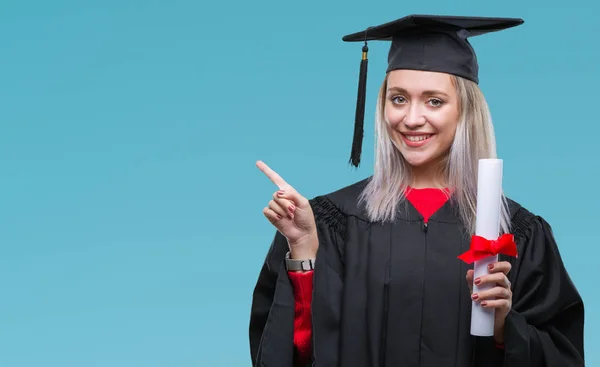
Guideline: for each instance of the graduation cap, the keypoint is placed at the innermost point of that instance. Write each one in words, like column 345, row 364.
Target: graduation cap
column 423, row 42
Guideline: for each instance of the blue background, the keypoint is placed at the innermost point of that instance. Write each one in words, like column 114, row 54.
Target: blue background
column 131, row 228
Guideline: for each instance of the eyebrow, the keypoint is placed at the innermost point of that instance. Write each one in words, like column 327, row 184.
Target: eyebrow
column 425, row 92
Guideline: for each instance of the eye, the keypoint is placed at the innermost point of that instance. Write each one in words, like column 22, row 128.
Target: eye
column 435, row 102
column 398, row 99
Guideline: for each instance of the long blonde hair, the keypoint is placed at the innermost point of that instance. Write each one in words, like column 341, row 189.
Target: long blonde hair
column 474, row 140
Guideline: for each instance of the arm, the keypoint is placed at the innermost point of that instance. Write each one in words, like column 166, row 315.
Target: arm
column 272, row 312
column 275, row 307
column 269, row 286
column 545, row 325
column 302, row 283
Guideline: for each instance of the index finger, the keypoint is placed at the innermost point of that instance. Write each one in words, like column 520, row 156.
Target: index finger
column 500, row 266
column 272, row 175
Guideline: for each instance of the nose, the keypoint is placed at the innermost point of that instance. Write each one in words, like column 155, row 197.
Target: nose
column 414, row 117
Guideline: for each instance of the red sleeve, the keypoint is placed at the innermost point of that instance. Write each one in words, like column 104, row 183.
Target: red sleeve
column 303, row 284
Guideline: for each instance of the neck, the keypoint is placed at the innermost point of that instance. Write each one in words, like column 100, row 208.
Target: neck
column 428, row 176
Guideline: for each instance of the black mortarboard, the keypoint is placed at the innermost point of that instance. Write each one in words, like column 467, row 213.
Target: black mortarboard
column 423, row 42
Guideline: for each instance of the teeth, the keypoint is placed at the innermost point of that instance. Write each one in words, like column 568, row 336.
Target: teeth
column 417, row 138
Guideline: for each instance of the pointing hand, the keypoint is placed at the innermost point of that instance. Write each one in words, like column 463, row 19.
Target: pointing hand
column 292, row 215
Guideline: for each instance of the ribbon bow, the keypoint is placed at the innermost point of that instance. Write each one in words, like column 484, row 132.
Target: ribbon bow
column 481, row 248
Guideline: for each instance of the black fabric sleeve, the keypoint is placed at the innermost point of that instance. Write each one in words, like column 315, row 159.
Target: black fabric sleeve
column 270, row 284
column 545, row 326
column 271, row 328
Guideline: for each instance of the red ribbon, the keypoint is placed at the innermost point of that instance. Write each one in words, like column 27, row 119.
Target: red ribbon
column 482, row 248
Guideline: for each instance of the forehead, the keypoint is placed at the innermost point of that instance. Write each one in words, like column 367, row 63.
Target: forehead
column 417, row 80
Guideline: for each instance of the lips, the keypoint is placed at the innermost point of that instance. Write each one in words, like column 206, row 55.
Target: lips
column 416, row 140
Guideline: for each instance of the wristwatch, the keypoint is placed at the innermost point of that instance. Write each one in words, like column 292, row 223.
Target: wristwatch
column 298, row 265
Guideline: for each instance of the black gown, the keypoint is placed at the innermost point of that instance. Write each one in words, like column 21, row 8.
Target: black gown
column 395, row 294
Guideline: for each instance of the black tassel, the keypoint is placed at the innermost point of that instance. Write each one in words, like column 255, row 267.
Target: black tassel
column 360, row 109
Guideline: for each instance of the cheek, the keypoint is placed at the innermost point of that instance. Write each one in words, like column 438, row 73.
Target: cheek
column 393, row 116
column 447, row 132
column 448, row 129
column 446, row 123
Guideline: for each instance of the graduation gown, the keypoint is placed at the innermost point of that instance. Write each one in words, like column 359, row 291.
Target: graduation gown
column 395, row 294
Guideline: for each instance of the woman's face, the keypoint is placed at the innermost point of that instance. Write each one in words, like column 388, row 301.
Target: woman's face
column 422, row 111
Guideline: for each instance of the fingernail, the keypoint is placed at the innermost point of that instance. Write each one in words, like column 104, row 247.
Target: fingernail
column 477, row 281
column 291, row 208
column 280, row 192
column 278, row 216
column 475, row 296
column 484, row 303
column 491, row 266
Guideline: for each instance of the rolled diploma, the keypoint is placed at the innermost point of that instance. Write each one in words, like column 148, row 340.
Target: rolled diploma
column 487, row 225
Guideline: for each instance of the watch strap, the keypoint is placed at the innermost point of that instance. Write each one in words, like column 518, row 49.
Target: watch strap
column 298, row 265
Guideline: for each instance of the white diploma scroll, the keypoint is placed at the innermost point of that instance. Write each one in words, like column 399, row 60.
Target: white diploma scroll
column 487, row 225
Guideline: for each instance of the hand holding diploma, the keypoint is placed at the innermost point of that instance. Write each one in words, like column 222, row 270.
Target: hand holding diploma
column 490, row 290
column 498, row 296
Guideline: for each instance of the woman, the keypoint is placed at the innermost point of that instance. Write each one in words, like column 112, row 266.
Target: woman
column 369, row 275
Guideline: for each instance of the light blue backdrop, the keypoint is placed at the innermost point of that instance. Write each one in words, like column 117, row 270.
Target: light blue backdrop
column 131, row 228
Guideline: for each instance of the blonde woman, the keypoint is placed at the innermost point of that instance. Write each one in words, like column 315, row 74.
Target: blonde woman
column 369, row 275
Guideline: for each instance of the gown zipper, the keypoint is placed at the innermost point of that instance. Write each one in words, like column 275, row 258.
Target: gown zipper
column 425, row 228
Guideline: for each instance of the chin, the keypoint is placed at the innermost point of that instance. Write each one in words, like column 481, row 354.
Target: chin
column 417, row 161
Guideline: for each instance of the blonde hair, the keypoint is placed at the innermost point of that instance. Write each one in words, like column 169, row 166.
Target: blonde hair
column 474, row 140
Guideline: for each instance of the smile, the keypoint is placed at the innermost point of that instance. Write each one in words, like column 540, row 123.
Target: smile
column 416, row 140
